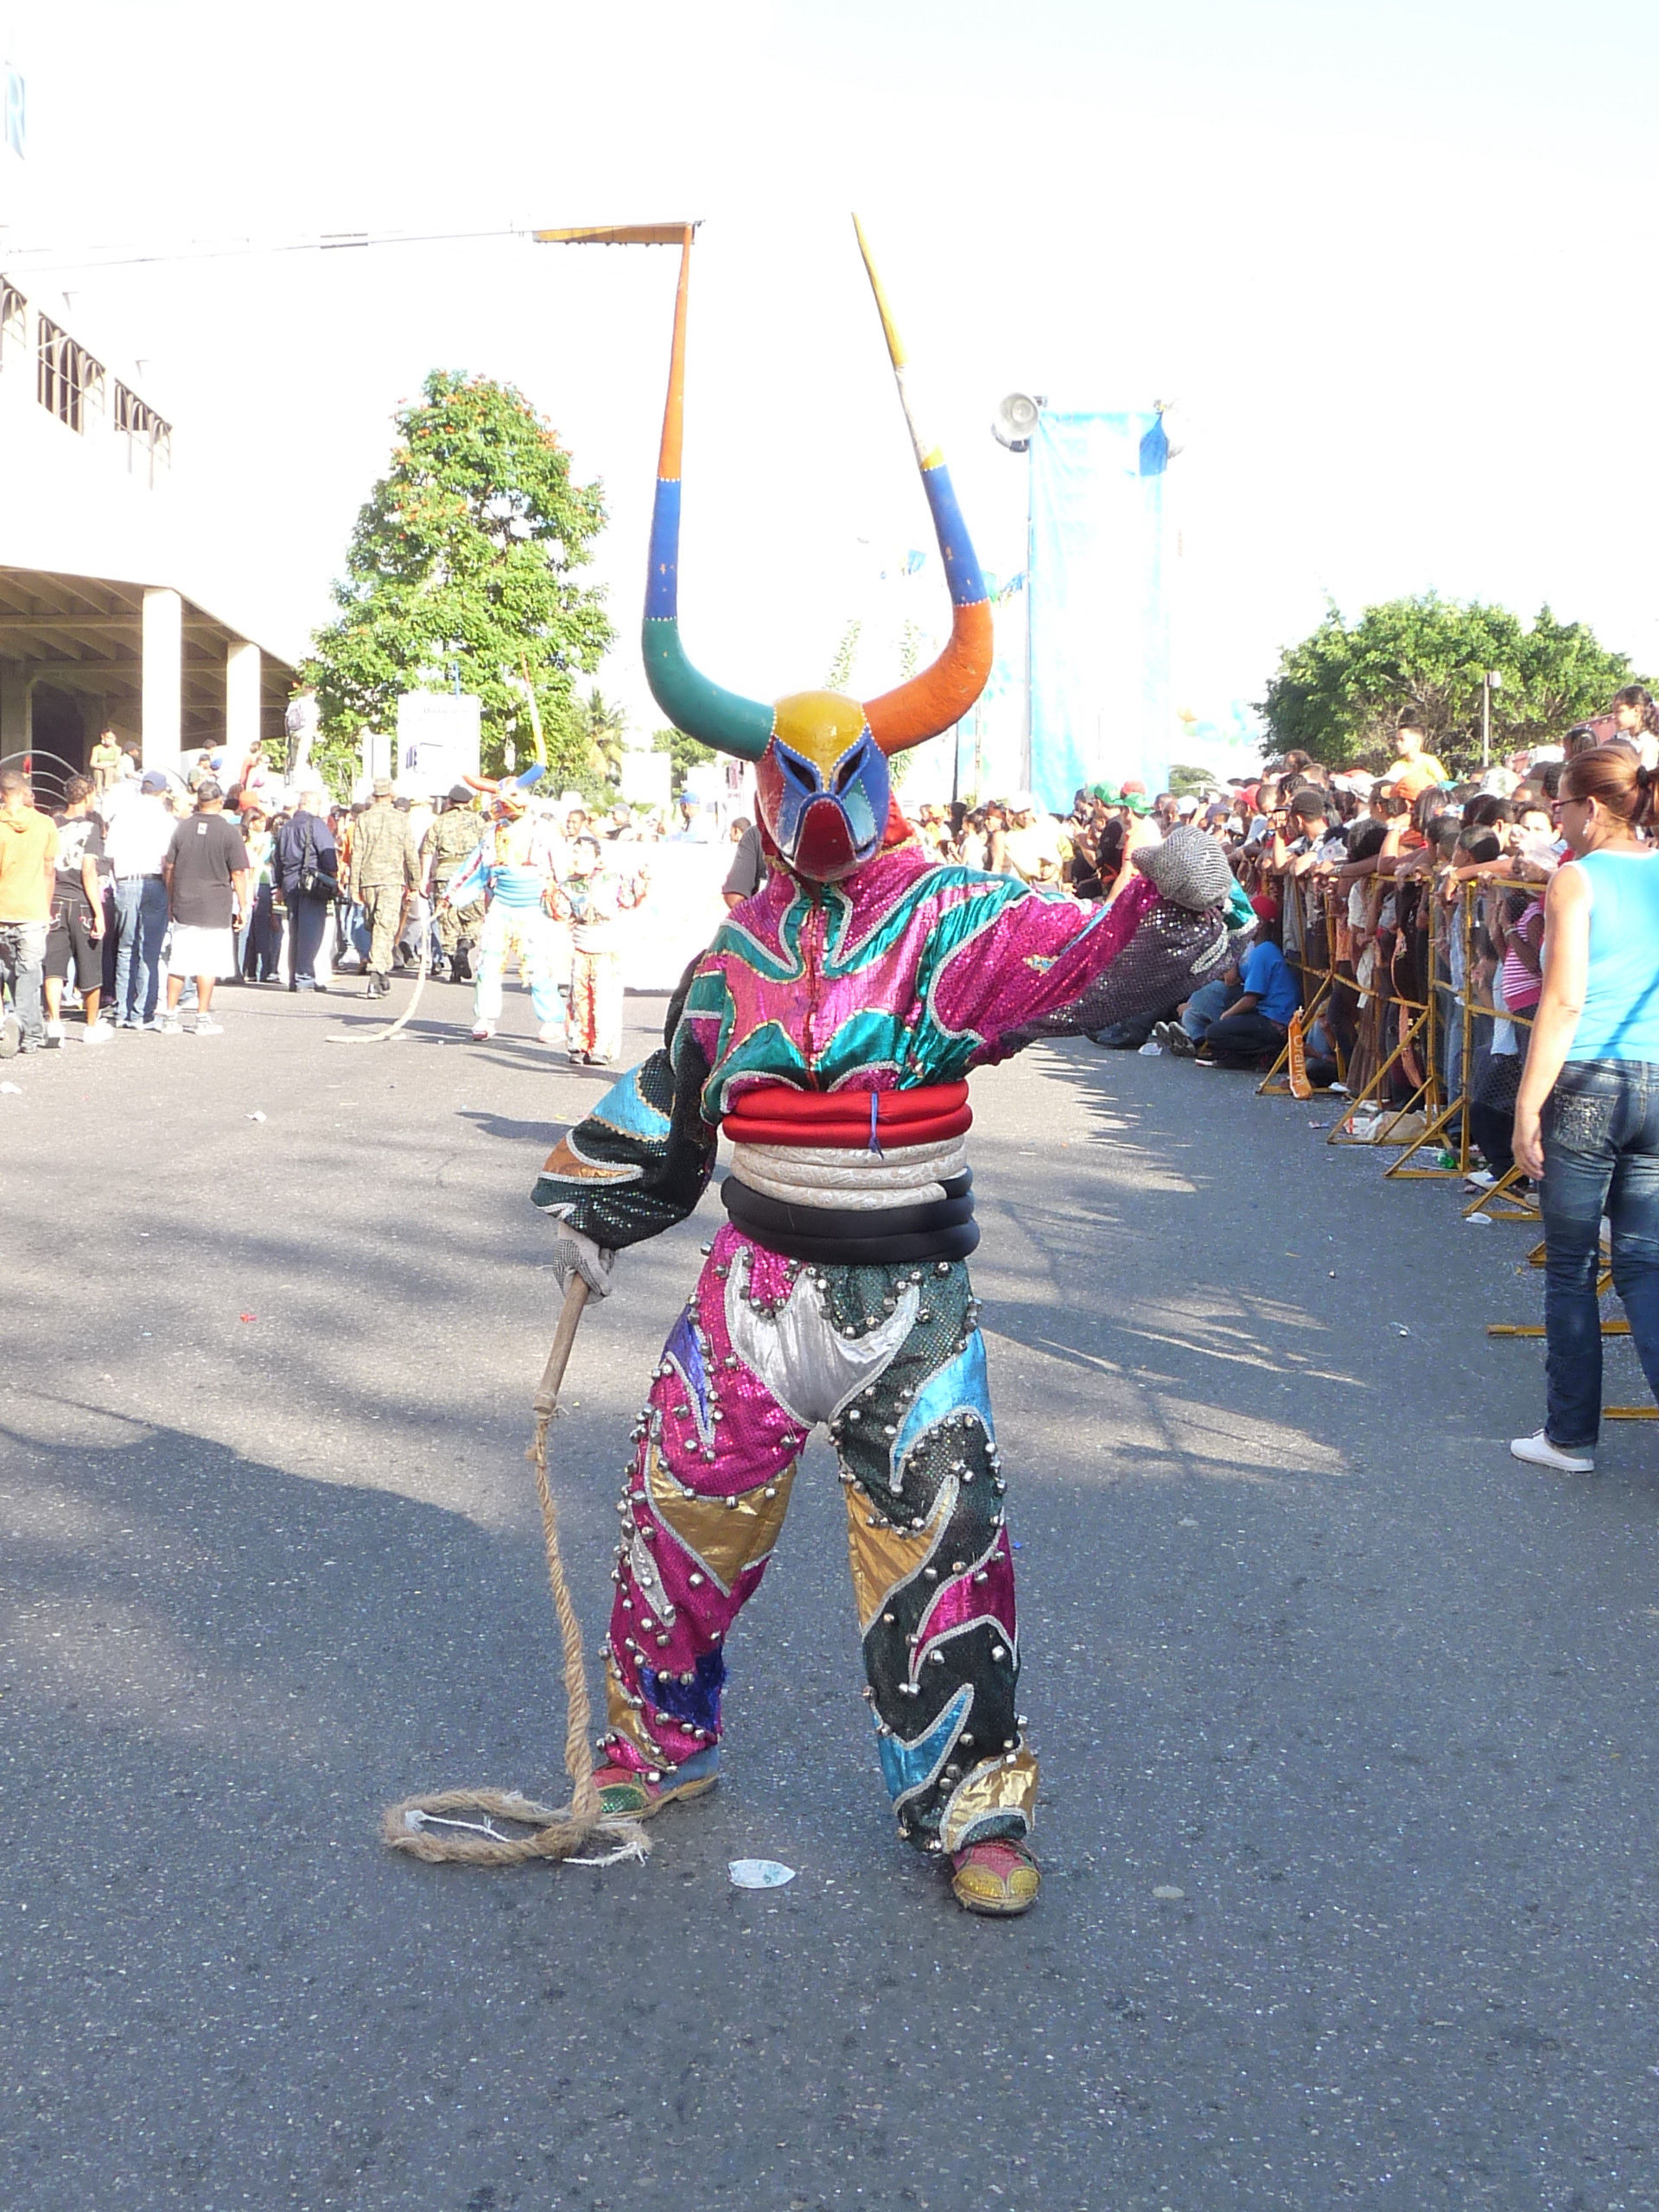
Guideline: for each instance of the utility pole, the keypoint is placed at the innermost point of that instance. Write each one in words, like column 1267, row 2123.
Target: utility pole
column 1490, row 681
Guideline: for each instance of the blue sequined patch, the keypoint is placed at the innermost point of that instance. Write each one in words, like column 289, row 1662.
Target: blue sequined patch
column 625, row 1106
column 909, row 1767
column 686, row 1353
column 697, row 1702
column 959, row 1387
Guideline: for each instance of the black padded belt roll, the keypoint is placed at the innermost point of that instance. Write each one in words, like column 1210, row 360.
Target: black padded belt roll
column 933, row 1229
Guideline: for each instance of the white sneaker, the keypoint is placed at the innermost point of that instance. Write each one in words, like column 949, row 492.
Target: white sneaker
column 1479, row 1178
column 167, row 1024
column 206, row 1027
column 482, row 1032
column 99, row 1033
column 551, row 1033
column 1539, row 1451
column 54, row 1032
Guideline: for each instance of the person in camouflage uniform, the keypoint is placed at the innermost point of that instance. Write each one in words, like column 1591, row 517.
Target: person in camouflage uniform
column 450, row 843
column 384, row 871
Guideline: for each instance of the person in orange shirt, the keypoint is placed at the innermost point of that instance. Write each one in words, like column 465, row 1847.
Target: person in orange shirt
column 28, row 859
column 1414, row 771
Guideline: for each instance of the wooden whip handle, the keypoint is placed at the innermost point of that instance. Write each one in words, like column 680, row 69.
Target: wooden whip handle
column 558, row 1355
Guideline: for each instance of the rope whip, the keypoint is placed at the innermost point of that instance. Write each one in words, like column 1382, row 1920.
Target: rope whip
column 393, row 1028
column 457, row 1827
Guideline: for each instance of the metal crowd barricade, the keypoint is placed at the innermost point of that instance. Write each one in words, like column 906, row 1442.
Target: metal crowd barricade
column 1443, row 1024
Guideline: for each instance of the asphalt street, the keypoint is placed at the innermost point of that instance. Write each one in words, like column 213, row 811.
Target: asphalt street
column 1349, row 1769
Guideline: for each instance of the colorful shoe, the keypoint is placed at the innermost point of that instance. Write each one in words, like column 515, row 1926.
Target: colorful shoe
column 625, row 1789
column 999, row 1879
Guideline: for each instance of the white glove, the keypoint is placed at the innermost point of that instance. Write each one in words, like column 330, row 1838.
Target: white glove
column 576, row 1255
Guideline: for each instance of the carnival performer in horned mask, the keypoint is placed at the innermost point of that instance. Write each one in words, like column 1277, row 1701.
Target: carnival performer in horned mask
column 829, row 1032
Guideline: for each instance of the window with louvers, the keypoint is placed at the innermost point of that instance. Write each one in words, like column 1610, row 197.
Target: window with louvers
column 14, row 322
column 149, row 439
column 69, row 382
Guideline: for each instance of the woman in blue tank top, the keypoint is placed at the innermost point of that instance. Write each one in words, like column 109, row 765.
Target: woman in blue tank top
column 1586, row 1119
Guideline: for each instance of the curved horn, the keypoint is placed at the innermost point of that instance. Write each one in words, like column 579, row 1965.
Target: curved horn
column 722, row 719
column 943, row 694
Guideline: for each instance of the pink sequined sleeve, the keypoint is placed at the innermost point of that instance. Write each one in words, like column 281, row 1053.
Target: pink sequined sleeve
column 1039, row 970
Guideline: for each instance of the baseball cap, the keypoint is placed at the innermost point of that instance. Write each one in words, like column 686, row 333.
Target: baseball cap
column 1186, row 806
column 154, row 780
column 208, row 788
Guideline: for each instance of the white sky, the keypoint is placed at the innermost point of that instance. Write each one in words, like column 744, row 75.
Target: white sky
column 1391, row 261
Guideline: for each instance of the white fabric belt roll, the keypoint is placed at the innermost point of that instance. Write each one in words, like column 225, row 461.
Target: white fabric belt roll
column 826, row 1175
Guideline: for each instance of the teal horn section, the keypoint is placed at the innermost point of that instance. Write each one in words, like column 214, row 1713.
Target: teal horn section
column 703, row 710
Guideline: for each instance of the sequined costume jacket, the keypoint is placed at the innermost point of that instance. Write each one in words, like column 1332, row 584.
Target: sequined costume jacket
column 903, row 976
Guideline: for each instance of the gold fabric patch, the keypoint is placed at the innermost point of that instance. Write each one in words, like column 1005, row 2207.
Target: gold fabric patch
column 722, row 1539
column 570, row 1167
column 625, row 1719
column 1010, row 1786
column 882, row 1558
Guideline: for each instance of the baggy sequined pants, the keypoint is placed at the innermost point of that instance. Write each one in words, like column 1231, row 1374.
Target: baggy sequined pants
column 890, row 1358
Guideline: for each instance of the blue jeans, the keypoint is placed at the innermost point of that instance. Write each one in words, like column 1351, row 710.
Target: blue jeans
column 1207, row 1004
column 1240, row 1040
column 307, row 924
column 140, row 925
column 1601, row 1156
column 23, row 955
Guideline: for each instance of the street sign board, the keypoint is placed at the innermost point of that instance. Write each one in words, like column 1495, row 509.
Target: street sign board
column 438, row 738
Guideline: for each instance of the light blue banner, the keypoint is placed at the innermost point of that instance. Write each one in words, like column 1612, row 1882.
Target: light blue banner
column 1100, row 709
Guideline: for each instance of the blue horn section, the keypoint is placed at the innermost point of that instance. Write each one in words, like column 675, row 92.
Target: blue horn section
column 962, row 568
column 714, row 717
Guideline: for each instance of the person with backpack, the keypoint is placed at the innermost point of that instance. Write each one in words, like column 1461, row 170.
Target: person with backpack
column 307, row 865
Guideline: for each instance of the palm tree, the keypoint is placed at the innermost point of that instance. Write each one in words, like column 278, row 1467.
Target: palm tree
column 604, row 726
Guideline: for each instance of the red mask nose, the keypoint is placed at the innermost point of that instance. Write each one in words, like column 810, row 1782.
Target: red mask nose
column 824, row 848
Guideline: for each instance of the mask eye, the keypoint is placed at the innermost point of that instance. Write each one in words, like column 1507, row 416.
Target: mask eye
column 799, row 774
column 848, row 769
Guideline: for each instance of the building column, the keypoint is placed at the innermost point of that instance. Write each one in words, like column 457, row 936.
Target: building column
column 16, row 708
column 243, row 670
column 163, row 679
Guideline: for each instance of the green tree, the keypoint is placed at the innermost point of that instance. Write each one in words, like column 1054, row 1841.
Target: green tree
column 464, row 563
column 841, row 667
column 1186, row 776
column 1339, row 693
column 684, row 752
column 604, row 726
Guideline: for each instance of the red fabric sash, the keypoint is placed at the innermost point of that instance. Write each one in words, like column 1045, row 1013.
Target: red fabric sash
column 853, row 1120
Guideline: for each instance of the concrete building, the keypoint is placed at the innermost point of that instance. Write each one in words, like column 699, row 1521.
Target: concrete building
column 115, row 609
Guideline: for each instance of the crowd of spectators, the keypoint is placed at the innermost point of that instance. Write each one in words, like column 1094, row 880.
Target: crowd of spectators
column 125, row 908
column 1349, row 874
column 161, row 886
